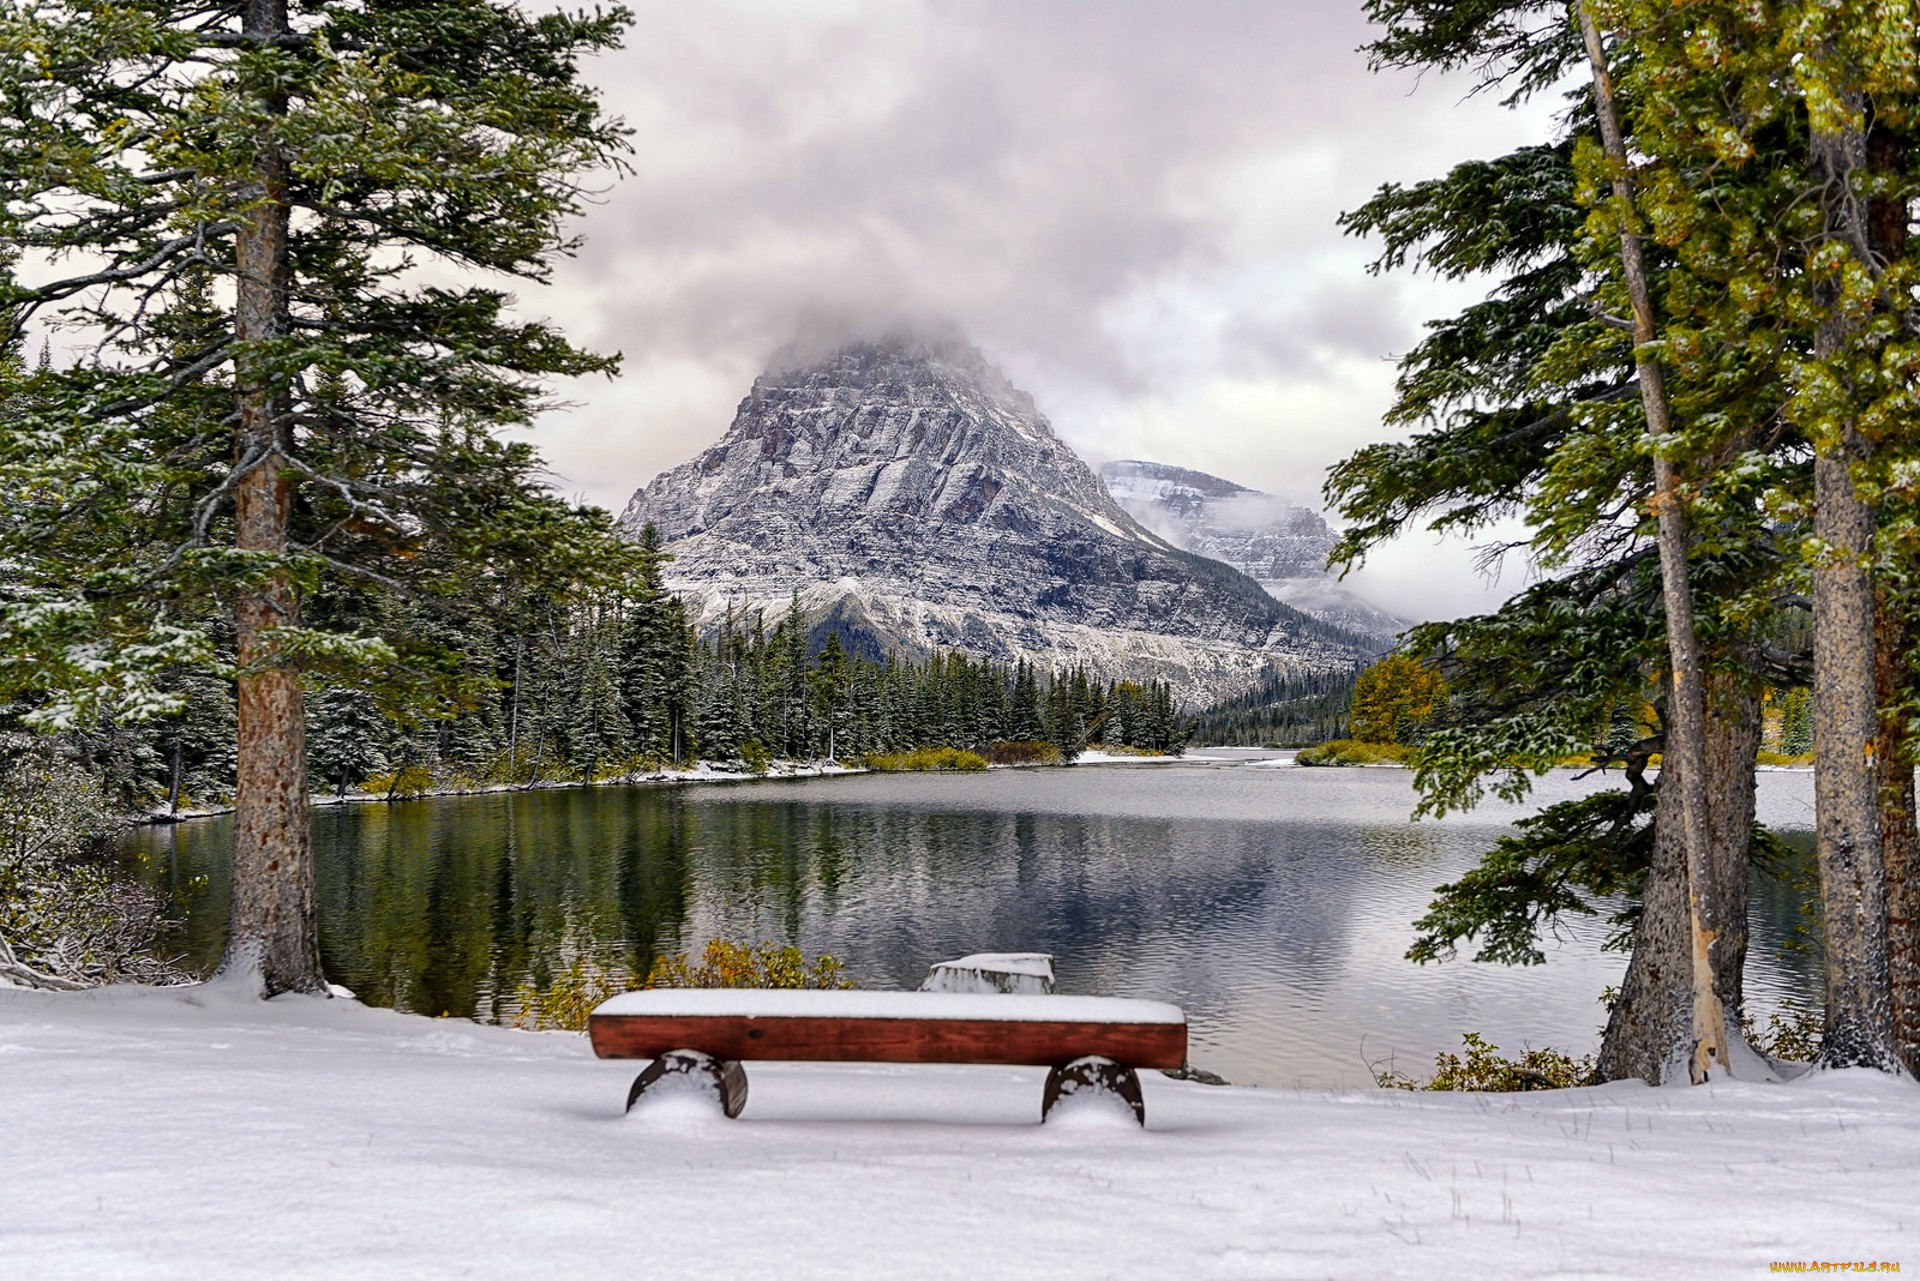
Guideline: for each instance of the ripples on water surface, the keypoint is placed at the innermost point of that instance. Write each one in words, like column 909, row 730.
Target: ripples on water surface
column 1273, row 903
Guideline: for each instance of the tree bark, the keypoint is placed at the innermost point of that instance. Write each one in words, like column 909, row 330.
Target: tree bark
column 1846, row 735
column 1899, row 837
column 1648, row 1031
column 1846, row 727
column 1686, row 720
column 1894, row 682
column 273, row 935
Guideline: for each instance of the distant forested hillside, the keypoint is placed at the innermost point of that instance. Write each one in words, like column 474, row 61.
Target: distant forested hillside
column 1284, row 711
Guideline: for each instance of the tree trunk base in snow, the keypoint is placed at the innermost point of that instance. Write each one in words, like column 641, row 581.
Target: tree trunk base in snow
column 689, row 1071
column 1649, row 1031
column 1094, row 1076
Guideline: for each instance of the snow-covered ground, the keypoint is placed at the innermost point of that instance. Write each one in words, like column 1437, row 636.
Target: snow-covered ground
column 1097, row 756
column 193, row 1132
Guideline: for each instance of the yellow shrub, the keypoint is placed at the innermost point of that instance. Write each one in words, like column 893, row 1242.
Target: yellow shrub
column 413, row 781
column 1394, row 697
column 725, row 964
column 1347, row 751
column 925, row 758
column 1765, row 757
column 565, row 1003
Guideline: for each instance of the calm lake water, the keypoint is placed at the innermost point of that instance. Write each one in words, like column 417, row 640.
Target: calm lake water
column 1272, row 902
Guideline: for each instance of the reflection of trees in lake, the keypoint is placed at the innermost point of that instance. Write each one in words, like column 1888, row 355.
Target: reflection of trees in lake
column 446, row 906
column 1411, row 847
column 1275, row 909
column 190, row 865
column 891, row 889
column 1783, row 956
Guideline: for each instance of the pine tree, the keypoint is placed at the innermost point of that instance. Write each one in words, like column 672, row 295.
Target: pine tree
column 832, row 693
column 1768, row 153
column 597, row 732
column 1024, row 720
column 1534, row 404
column 649, row 638
column 306, row 159
column 1853, row 61
column 792, row 684
column 1066, row 725
column 548, row 708
column 723, row 723
column 1796, row 722
column 865, row 715
column 346, row 733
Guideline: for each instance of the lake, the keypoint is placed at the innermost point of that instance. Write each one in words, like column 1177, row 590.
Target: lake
column 1272, row 902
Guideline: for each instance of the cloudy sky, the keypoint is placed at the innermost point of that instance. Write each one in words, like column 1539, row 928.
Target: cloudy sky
column 1129, row 204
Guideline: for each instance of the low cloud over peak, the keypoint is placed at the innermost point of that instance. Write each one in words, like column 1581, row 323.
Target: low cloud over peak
column 1129, row 206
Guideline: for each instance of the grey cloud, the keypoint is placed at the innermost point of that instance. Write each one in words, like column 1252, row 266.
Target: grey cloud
column 1124, row 201
column 1365, row 318
column 1020, row 167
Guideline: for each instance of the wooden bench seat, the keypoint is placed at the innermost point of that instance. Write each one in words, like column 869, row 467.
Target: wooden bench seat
column 1089, row 1042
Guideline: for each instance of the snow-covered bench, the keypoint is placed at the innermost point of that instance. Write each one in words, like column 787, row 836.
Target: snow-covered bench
column 1089, row 1042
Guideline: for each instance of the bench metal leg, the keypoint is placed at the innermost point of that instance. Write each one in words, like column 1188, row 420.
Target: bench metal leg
column 1097, row 1076
column 725, row 1078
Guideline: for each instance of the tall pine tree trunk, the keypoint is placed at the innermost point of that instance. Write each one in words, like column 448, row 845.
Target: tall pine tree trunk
column 1846, row 726
column 1846, row 734
column 1899, row 839
column 273, row 933
column 1686, row 718
column 1887, row 233
column 1649, row 1030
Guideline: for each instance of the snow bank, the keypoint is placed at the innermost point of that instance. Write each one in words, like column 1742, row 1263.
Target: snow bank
column 195, row 1133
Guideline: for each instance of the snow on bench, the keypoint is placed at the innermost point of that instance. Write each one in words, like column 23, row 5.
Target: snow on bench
column 1091, row 1043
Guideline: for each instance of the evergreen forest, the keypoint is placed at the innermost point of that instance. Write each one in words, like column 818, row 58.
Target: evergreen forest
column 618, row 682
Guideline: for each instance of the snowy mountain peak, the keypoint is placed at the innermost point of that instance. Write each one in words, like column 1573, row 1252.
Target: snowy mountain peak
column 902, row 428
column 905, row 487
column 1281, row 546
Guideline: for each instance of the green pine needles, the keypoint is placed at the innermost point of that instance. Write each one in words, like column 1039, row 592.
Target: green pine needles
column 1693, row 377
column 138, row 141
column 241, row 219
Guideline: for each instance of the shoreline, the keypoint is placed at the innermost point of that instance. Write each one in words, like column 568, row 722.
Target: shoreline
column 707, row 772
column 702, row 772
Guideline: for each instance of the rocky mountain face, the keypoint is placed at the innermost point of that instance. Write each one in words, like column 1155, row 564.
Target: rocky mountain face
column 916, row 499
column 1278, row 545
